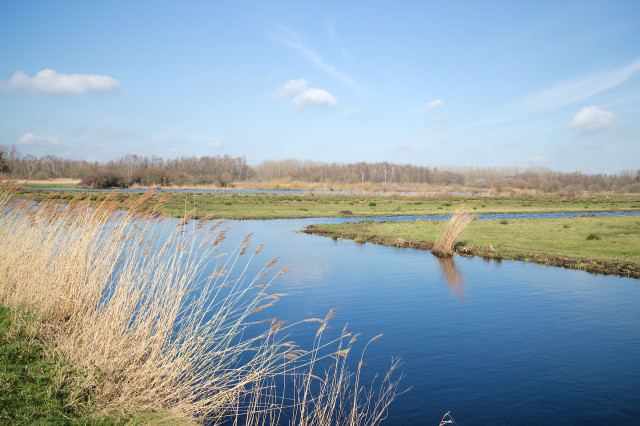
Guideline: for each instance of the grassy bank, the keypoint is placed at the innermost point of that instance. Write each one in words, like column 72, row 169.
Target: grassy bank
column 37, row 387
column 34, row 387
column 272, row 206
column 608, row 245
column 155, row 319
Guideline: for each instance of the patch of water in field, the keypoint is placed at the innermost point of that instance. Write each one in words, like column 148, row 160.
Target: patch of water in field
column 491, row 342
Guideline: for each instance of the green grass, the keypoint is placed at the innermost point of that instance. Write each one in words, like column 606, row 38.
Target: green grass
column 553, row 241
column 38, row 388
column 272, row 206
column 35, row 387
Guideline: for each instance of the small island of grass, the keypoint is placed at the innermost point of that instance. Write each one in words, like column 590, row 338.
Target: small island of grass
column 600, row 244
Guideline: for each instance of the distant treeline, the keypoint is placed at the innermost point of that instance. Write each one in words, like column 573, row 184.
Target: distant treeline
column 225, row 170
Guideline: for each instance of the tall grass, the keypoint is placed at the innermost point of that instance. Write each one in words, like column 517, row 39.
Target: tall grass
column 158, row 319
column 445, row 245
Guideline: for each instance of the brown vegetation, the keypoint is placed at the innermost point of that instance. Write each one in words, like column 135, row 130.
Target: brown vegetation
column 445, row 245
column 152, row 329
column 225, row 171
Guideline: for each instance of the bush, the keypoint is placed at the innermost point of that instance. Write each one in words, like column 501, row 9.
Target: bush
column 103, row 179
column 593, row 237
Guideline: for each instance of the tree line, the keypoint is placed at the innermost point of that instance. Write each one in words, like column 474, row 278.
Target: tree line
column 224, row 170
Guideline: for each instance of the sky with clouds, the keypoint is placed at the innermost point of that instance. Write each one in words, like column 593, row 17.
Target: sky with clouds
column 437, row 83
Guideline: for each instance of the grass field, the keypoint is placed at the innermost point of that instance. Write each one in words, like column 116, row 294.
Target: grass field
column 37, row 387
column 598, row 244
column 272, row 206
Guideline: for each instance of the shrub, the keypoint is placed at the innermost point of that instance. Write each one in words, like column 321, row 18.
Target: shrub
column 591, row 237
column 372, row 204
column 103, row 179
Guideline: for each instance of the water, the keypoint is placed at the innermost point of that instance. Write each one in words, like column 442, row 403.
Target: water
column 256, row 191
column 492, row 342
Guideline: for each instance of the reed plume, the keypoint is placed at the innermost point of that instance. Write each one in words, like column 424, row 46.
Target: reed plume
column 445, row 245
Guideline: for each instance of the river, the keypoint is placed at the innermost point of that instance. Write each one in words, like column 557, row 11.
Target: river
column 492, row 342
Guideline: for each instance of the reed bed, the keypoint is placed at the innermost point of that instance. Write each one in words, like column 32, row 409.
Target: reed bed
column 445, row 245
column 158, row 319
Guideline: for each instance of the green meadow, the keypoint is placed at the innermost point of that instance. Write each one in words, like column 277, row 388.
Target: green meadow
column 274, row 206
column 604, row 244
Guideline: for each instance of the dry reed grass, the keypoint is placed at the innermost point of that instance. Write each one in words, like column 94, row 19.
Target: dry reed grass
column 129, row 298
column 445, row 245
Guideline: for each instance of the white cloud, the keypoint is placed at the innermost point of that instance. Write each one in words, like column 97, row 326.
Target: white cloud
column 30, row 139
column 304, row 97
column 290, row 89
column 592, row 119
column 291, row 39
column 429, row 106
column 352, row 112
column 314, row 98
column 49, row 82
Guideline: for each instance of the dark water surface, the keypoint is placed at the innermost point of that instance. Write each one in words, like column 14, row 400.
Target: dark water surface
column 492, row 342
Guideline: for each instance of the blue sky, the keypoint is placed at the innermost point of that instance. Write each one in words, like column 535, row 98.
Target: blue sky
column 435, row 83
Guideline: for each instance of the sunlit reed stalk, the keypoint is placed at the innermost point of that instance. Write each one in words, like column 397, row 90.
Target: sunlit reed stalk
column 131, row 301
column 445, row 245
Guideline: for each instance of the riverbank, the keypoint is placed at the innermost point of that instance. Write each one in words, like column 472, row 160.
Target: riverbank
column 603, row 244
column 37, row 386
column 240, row 206
column 155, row 320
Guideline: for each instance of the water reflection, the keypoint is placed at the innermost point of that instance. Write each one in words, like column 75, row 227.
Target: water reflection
column 452, row 276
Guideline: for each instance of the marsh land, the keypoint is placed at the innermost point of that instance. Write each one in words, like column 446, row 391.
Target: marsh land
column 234, row 205
column 613, row 246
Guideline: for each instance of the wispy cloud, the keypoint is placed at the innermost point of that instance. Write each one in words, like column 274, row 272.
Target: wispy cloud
column 31, row 139
column 592, row 119
column 429, row 106
column 331, row 29
column 536, row 160
column 352, row 112
column 579, row 89
column 440, row 119
column 112, row 132
column 291, row 39
column 49, row 82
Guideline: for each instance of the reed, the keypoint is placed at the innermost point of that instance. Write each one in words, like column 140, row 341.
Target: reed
column 158, row 319
column 445, row 245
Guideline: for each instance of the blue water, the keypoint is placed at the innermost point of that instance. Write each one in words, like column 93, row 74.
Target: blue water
column 254, row 191
column 479, row 217
column 491, row 342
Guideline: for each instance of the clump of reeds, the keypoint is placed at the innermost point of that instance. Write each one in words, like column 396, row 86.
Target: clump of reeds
column 445, row 245
column 159, row 320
